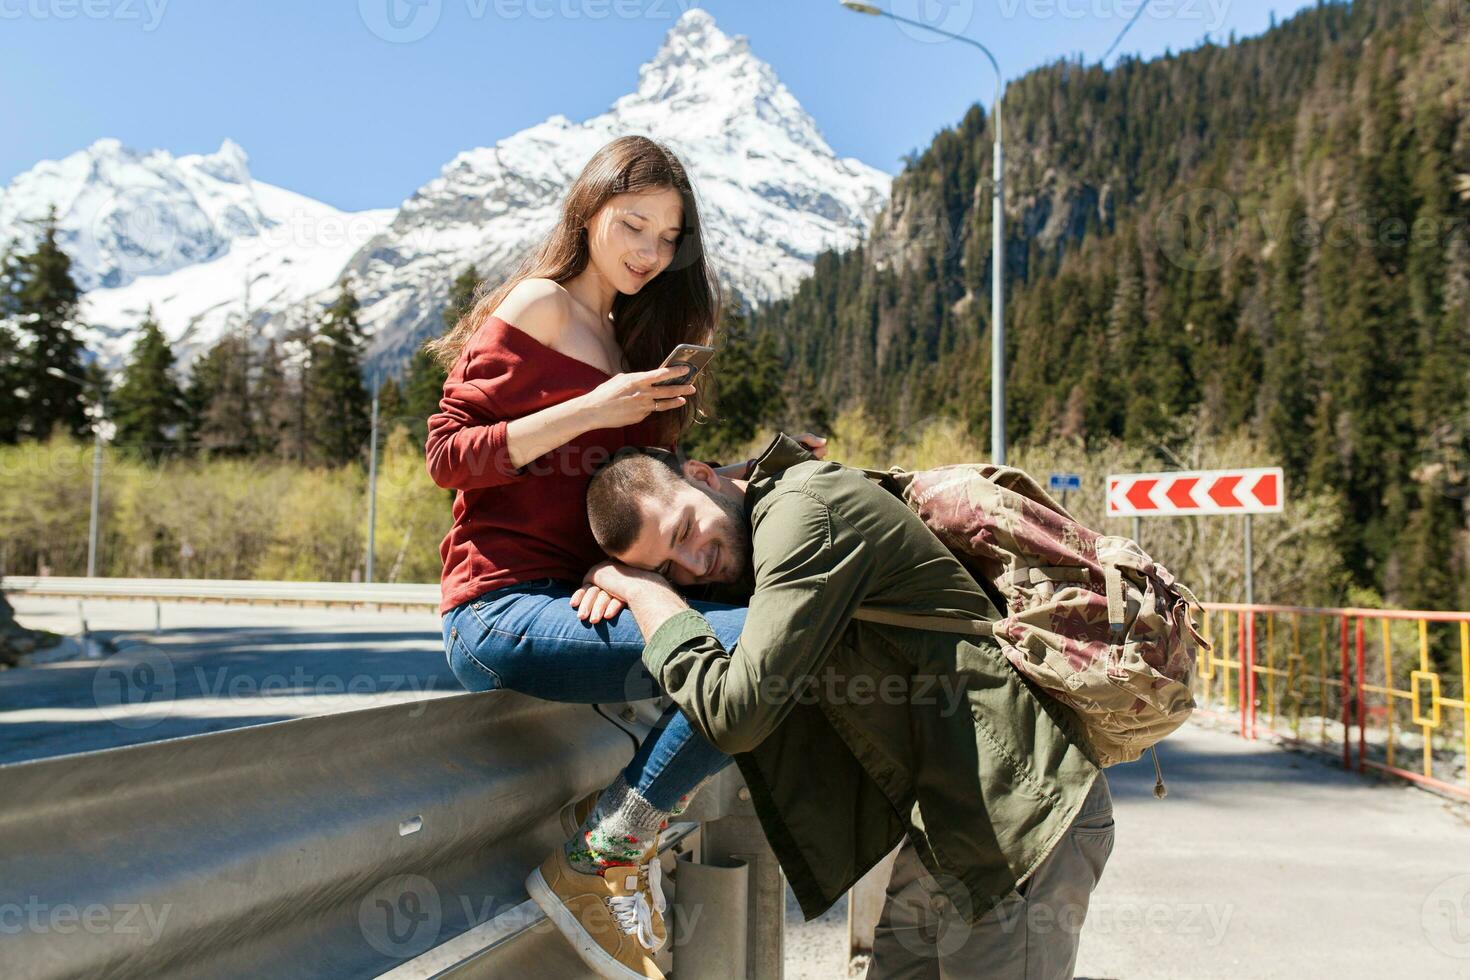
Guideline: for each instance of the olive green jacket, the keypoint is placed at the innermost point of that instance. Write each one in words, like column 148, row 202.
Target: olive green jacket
column 900, row 731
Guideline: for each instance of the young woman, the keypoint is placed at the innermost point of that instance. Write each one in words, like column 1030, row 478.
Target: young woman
column 549, row 375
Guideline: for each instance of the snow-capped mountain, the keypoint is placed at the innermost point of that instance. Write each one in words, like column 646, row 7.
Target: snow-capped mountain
column 190, row 235
column 194, row 237
column 772, row 193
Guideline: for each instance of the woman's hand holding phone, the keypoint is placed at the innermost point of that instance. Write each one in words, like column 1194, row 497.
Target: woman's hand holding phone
column 627, row 399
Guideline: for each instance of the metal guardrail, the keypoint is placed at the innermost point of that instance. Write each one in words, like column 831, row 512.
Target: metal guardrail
column 386, row 840
column 347, row 594
column 1312, row 676
column 737, row 883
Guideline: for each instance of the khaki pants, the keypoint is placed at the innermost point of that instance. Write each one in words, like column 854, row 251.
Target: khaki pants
column 1031, row 935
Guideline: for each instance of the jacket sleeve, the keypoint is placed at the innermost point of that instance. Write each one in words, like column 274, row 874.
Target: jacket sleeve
column 812, row 570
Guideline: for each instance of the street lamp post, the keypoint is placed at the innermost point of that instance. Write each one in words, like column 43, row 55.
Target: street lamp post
column 92, row 524
column 997, row 244
column 372, row 529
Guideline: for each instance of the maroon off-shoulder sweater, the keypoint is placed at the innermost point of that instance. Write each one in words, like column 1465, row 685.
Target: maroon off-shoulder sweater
column 514, row 525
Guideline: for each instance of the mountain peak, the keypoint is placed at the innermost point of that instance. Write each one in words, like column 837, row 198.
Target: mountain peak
column 693, row 20
column 230, row 163
column 693, row 51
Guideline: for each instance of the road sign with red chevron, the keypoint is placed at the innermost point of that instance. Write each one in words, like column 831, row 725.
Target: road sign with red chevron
column 1188, row 492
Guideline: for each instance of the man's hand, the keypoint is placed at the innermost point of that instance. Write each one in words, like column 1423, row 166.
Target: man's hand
column 648, row 595
column 595, row 604
column 607, row 587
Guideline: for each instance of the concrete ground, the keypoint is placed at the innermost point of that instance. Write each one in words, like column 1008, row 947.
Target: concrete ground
column 1260, row 863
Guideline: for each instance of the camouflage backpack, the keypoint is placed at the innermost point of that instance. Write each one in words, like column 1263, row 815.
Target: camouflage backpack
column 1089, row 618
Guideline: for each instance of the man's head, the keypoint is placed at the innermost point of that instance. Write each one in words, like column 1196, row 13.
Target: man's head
column 680, row 518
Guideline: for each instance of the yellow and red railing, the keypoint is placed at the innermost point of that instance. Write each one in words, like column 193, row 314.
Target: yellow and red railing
column 1287, row 670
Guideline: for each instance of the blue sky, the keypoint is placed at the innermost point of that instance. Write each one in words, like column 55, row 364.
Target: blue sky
column 333, row 99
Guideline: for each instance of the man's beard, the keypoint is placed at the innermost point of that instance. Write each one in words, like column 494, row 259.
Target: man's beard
column 734, row 535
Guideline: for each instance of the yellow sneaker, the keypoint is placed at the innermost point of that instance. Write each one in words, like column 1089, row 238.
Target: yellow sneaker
column 608, row 918
column 574, row 813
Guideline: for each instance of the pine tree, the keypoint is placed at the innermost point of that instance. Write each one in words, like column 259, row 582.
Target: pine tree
column 336, row 399
column 275, row 401
column 218, row 399
column 390, row 404
column 12, row 381
column 294, row 414
column 462, row 296
column 423, row 387
column 148, row 407
column 12, row 405
column 44, row 302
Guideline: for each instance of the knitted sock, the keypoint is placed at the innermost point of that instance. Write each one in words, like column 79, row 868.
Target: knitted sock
column 619, row 832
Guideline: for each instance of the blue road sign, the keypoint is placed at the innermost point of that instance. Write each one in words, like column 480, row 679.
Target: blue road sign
column 1065, row 481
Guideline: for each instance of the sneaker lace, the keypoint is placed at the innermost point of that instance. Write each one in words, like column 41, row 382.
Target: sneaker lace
column 654, row 877
column 634, row 913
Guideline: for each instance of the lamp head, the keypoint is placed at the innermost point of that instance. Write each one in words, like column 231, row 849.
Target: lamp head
column 861, row 8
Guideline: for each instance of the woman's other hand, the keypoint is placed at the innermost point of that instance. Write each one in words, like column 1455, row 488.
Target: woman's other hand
column 627, row 399
column 815, row 444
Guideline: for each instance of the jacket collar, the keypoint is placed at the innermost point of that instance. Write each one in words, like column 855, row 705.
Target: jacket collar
column 782, row 453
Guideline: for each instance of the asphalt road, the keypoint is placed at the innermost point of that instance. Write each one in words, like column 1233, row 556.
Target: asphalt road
column 212, row 667
column 1260, row 863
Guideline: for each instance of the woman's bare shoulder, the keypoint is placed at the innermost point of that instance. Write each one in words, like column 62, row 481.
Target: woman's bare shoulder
column 540, row 307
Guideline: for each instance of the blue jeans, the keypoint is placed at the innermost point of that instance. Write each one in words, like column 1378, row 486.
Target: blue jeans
column 528, row 638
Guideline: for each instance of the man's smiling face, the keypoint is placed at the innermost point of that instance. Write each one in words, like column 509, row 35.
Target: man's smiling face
column 697, row 536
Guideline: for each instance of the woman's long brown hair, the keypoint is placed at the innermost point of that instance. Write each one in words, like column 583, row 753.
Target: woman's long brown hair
column 679, row 305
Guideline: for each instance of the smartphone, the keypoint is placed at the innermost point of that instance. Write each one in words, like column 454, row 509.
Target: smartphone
column 691, row 357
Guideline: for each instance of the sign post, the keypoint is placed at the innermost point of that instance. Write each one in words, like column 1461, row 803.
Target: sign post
column 1064, row 483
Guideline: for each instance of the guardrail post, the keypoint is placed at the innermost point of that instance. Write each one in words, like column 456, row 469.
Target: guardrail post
column 740, row 838
column 710, row 935
column 1347, row 742
column 731, row 835
column 1242, row 680
column 1362, row 708
column 1251, row 670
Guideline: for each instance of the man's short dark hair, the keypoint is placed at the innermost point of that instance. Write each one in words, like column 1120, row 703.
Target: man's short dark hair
column 633, row 473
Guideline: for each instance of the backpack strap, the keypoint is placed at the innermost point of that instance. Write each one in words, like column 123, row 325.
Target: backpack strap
column 1037, row 574
column 939, row 624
